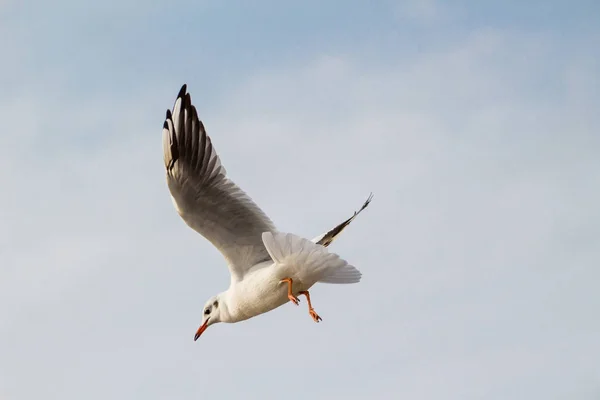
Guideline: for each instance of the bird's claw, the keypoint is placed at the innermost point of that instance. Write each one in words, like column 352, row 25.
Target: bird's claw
column 294, row 300
column 315, row 316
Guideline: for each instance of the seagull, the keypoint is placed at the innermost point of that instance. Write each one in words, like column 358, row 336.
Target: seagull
column 268, row 268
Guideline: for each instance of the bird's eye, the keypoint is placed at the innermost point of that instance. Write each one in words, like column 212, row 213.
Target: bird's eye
column 216, row 304
column 207, row 311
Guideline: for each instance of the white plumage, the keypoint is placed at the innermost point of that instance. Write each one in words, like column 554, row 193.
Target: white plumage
column 267, row 267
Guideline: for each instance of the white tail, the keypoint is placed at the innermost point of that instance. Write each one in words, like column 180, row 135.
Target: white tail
column 311, row 260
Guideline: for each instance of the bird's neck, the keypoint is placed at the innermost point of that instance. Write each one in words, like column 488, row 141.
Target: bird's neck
column 234, row 309
column 224, row 305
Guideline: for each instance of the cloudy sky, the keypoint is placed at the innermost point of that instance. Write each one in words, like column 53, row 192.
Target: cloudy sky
column 475, row 124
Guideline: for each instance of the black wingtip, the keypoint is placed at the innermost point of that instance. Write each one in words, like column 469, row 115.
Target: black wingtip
column 169, row 116
column 367, row 202
column 174, row 148
column 166, row 125
column 187, row 100
column 182, row 90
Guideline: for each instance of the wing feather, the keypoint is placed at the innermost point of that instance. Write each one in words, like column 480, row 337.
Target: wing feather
column 327, row 238
column 205, row 198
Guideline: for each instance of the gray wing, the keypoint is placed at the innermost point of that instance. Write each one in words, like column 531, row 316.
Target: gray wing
column 204, row 197
column 326, row 238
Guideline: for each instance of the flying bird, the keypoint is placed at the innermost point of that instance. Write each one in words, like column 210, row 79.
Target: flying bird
column 268, row 268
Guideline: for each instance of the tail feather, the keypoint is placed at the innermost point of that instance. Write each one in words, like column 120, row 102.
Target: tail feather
column 310, row 258
column 343, row 276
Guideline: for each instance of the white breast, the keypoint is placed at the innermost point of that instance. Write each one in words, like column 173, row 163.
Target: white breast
column 261, row 291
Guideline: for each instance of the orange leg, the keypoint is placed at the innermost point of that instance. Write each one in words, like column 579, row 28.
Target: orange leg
column 311, row 310
column 291, row 296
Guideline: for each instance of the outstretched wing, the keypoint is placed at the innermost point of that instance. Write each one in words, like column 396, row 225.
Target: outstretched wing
column 325, row 239
column 204, row 197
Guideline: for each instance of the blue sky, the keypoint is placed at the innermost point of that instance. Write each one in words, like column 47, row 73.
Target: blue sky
column 474, row 123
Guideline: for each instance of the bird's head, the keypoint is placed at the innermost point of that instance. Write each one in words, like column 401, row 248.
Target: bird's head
column 211, row 314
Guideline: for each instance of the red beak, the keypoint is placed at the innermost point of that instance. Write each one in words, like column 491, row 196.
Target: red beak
column 201, row 329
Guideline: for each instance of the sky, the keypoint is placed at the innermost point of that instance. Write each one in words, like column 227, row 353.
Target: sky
column 474, row 124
